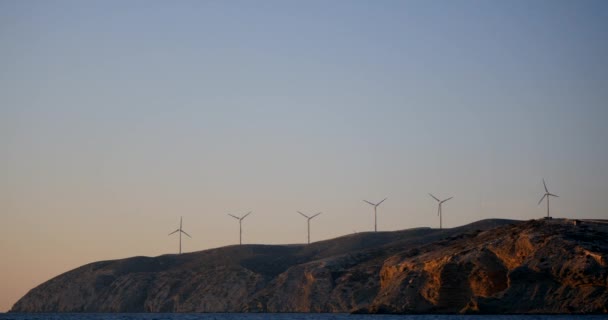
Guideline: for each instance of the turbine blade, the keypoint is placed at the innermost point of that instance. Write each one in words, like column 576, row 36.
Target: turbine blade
column 315, row 215
column 434, row 197
column 248, row 213
column 305, row 216
column 174, row 232
column 544, row 184
column 439, row 210
column 541, row 199
column 370, row 203
column 184, row 232
column 234, row 216
column 553, row 195
column 381, row 202
column 446, row 199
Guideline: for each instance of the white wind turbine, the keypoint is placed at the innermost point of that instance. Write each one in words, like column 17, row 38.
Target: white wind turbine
column 240, row 225
column 439, row 208
column 308, row 220
column 375, row 205
column 180, row 230
column 547, row 195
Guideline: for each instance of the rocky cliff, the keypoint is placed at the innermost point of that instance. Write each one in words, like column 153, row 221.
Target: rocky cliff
column 491, row 266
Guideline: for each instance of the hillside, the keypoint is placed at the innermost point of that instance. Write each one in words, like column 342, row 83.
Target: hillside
column 490, row 266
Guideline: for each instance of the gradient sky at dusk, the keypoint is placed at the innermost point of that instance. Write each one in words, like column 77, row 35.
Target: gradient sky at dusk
column 117, row 117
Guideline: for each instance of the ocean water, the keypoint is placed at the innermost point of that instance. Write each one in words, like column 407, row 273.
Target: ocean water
column 279, row 316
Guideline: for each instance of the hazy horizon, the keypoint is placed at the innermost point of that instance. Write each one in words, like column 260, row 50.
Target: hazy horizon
column 117, row 118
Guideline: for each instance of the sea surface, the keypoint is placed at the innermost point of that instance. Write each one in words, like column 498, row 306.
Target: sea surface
column 278, row 316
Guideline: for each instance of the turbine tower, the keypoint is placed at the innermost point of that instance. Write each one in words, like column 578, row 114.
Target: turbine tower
column 308, row 220
column 180, row 230
column 546, row 195
column 375, row 205
column 439, row 209
column 240, row 225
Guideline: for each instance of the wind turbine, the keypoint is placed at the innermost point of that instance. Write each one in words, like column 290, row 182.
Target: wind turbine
column 375, row 205
column 547, row 195
column 240, row 226
column 439, row 209
column 180, row 234
column 308, row 220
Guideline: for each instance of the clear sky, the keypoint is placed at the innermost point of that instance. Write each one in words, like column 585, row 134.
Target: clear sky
column 118, row 117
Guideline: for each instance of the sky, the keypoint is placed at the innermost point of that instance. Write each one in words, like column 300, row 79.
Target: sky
column 118, row 117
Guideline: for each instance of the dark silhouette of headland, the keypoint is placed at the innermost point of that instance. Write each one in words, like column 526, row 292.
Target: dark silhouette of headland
column 490, row 266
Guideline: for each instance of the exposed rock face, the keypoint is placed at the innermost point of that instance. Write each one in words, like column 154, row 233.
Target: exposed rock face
column 491, row 266
column 531, row 267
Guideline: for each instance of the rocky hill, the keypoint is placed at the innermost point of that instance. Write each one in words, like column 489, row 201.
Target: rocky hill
column 490, row 266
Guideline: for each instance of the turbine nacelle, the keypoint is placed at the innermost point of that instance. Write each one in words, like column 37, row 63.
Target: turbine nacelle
column 374, row 204
column 240, row 218
column 547, row 195
column 309, row 217
column 440, row 201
